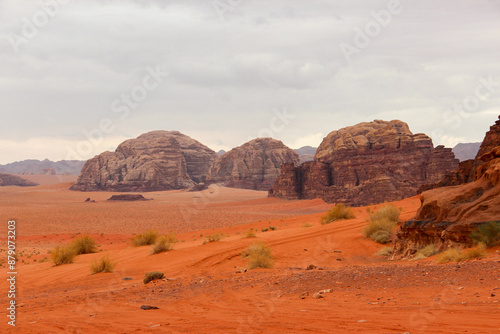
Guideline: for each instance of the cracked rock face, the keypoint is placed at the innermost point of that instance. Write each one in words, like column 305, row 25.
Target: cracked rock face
column 367, row 163
column 253, row 165
column 157, row 160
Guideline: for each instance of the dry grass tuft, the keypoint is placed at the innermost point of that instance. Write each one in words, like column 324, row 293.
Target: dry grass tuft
column 147, row 238
column 455, row 255
column 102, row 265
column 162, row 244
column 338, row 212
column 249, row 234
column 385, row 251
column 84, row 245
column 213, row 238
column 382, row 223
column 152, row 275
column 259, row 256
column 62, row 255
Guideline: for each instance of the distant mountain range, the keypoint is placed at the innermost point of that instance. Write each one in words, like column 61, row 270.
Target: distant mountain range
column 466, row 151
column 306, row 153
column 28, row 167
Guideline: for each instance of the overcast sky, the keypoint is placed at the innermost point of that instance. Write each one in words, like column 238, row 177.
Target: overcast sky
column 226, row 71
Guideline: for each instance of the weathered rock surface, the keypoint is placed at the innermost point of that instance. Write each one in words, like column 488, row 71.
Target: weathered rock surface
column 367, row 163
column 253, row 165
column 157, row 160
column 448, row 215
column 13, row 180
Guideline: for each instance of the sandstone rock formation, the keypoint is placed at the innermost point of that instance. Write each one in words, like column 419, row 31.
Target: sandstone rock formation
column 467, row 169
column 448, row 214
column 157, row 160
column 13, row 180
column 253, row 165
column 367, row 163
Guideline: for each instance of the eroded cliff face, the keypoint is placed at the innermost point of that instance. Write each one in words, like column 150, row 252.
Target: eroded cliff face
column 253, row 165
column 467, row 169
column 448, row 215
column 367, row 163
column 157, row 160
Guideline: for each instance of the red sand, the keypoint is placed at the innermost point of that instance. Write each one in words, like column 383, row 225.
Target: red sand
column 208, row 292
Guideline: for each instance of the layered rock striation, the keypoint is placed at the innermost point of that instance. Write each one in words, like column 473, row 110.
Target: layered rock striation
column 367, row 163
column 157, row 160
column 253, row 165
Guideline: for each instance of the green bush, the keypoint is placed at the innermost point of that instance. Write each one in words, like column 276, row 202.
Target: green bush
column 338, row 212
column 152, row 275
column 62, row 255
column 259, row 256
column 84, row 245
column 487, row 234
column 147, row 238
column 162, row 244
column 102, row 265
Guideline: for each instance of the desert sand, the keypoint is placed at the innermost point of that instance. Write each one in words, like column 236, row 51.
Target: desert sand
column 207, row 290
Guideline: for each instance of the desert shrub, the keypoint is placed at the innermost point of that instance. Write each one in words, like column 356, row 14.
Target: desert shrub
column 338, row 212
column 102, row 265
column 84, row 245
column 250, row 234
column 162, row 244
column 147, row 238
column 388, row 211
column 488, row 234
column 259, row 256
column 214, row 237
column 306, row 225
column 385, row 251
column 273, row 228
column 477, row 252
column 62, row 255
column 152, row 275
column 450, row 255
column 265, row 229
column 381, row 236
column 381, row 224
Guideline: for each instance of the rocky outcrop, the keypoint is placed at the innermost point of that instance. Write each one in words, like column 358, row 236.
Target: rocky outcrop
column 48, row 171
column 448, row 215
column 367, row 163
column 467, row 169
column 13, row 180
column 158, row 160
column 127, row 197
column 253, row 165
